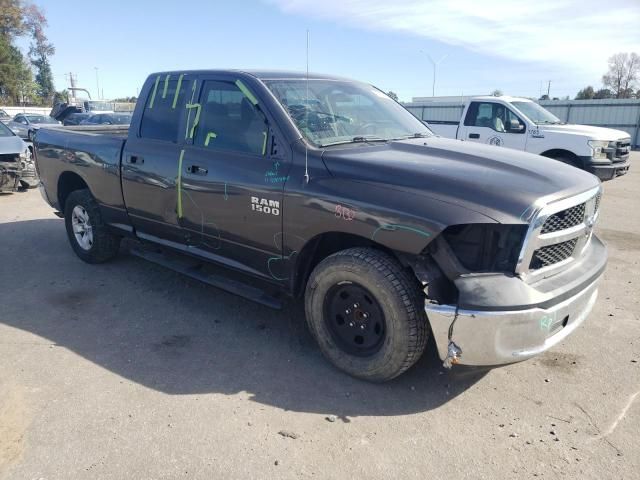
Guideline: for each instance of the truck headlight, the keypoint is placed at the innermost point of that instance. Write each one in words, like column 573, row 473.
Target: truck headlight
column 598, row 149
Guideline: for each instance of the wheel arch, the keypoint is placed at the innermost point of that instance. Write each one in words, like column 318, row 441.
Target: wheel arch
column 68, row 182
column 324, row 244
column 557, row 153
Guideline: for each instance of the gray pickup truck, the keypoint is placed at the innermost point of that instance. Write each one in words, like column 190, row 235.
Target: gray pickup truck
column 325, row 188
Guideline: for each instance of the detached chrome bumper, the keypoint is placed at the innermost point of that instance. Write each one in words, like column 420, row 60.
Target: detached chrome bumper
column 500, row 337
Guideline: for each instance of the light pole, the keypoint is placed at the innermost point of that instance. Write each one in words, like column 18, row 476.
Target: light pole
column 97, row 84
column 435, row 66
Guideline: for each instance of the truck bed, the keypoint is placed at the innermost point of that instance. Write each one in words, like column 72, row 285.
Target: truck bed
column 91, row 153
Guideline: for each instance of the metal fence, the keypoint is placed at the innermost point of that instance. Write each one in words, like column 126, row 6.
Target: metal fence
column 611, row 113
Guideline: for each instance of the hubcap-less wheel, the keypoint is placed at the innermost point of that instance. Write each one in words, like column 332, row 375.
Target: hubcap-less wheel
column 355, row 319
column 82, row 229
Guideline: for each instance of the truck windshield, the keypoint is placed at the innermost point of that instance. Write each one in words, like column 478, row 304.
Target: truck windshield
column 330, row 112
column 536, row 113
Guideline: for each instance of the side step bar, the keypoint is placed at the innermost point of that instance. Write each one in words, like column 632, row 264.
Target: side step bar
column 194, row 269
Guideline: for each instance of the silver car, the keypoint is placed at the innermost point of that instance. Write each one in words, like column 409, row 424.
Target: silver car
column 17, row 168
column 25, row 125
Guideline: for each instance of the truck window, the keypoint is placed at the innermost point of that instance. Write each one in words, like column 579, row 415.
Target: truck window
column 491, row 115
column 229, row 120
column 163, row 107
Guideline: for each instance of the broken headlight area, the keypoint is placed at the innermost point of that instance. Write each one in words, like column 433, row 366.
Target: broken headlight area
column 482, row 248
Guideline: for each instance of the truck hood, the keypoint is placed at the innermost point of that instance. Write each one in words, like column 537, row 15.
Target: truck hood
column 593, row 133
column 499, row 183
column 12, row 145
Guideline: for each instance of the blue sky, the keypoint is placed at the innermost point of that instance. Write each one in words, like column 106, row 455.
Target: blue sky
column 514, row 46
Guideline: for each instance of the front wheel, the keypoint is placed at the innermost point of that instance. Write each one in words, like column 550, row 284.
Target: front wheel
column 88, row 235
column 366, row 314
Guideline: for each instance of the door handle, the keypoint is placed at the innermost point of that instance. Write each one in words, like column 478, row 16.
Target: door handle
column 474, row 135
column 197, row 170
column 135, row 159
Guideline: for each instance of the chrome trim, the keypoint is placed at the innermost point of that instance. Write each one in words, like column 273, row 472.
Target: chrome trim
column 500, row 337
column 535, row 240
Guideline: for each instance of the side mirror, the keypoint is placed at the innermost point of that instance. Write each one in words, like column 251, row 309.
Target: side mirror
column 515, row 125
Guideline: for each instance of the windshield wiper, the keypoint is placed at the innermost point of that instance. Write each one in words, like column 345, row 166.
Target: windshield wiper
column 358, row 139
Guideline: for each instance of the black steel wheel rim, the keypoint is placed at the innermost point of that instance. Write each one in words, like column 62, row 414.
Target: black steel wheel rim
column 355, row 319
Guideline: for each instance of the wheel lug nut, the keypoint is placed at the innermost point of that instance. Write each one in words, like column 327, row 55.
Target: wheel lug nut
column 356, row 305
column 365, row 315
column 348, row 311
column 351, row 324
column 362, row 327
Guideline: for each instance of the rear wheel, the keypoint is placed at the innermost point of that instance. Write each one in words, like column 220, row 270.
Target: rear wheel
column 88, row 235
column 366, row 314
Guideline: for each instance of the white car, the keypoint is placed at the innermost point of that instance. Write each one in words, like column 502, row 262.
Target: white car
column 522, row 124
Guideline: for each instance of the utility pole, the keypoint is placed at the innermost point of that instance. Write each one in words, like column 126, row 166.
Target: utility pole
column 97, row 84
column 548, row 88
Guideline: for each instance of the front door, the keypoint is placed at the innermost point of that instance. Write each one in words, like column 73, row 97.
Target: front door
column 494, row 124
column 232, row 180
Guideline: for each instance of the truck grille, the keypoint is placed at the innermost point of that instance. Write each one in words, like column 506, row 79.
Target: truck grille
column 559, row 233
column 552, row 254
column 622, row 149
column 565, row 219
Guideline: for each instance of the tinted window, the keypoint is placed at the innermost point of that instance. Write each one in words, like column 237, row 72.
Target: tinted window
column 229, row 120
column 164, row 107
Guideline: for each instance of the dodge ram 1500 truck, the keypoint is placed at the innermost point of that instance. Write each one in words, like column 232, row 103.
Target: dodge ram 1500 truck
column 522, row 124
column 325, row 188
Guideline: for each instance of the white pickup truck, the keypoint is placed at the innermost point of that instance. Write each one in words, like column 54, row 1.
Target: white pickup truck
column 522, row 124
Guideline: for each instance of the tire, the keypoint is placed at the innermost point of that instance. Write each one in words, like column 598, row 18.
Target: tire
column 97, row 244
column 566, row 159
column 30, row 135
column 392, row 294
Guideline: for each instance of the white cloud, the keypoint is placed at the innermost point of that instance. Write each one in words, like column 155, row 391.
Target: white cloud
column 580, row 35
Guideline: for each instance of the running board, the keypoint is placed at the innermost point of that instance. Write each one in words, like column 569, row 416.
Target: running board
column 194, row 269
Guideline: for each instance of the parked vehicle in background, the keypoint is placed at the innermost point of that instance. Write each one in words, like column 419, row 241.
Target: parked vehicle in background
column 522, row 124
column 327, row 189
column 75, row 118
column 4, row 116
column 15, row 157
column 26, row 124
column 108, row 119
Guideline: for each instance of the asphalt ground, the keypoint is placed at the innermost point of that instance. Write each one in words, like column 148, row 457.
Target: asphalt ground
column 129, row 370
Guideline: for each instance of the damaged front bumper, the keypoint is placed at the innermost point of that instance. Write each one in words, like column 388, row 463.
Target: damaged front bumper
column 545, row 314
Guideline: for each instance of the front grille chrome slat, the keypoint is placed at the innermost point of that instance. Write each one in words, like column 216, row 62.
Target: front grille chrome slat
column 558, row 234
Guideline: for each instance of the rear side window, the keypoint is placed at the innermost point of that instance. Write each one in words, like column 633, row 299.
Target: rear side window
column 165, row 104
column 230, row 119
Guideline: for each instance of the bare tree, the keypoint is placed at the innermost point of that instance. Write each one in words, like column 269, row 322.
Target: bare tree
column 624, row 70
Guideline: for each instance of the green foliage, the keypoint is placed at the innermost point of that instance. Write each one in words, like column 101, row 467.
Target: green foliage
column 17, row 86
column 496, row 93
column 393, row 95
column 587, row 93
column 603, row 93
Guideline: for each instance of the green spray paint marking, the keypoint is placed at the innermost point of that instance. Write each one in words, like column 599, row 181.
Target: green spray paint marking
column 166, row 85
column 393, row 228
column 179, row 183
column 210, row 135
column 264, row 143
column 155, row 89
column 196, row 120
column 246, row 92
column 175, row 96
column 193, row 94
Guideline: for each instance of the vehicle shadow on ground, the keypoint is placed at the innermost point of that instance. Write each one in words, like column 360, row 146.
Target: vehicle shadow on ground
column 167, row 332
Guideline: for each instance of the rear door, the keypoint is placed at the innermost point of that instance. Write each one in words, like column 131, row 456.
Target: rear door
column 232, row 179
column 151, row 156
column 494, row 124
